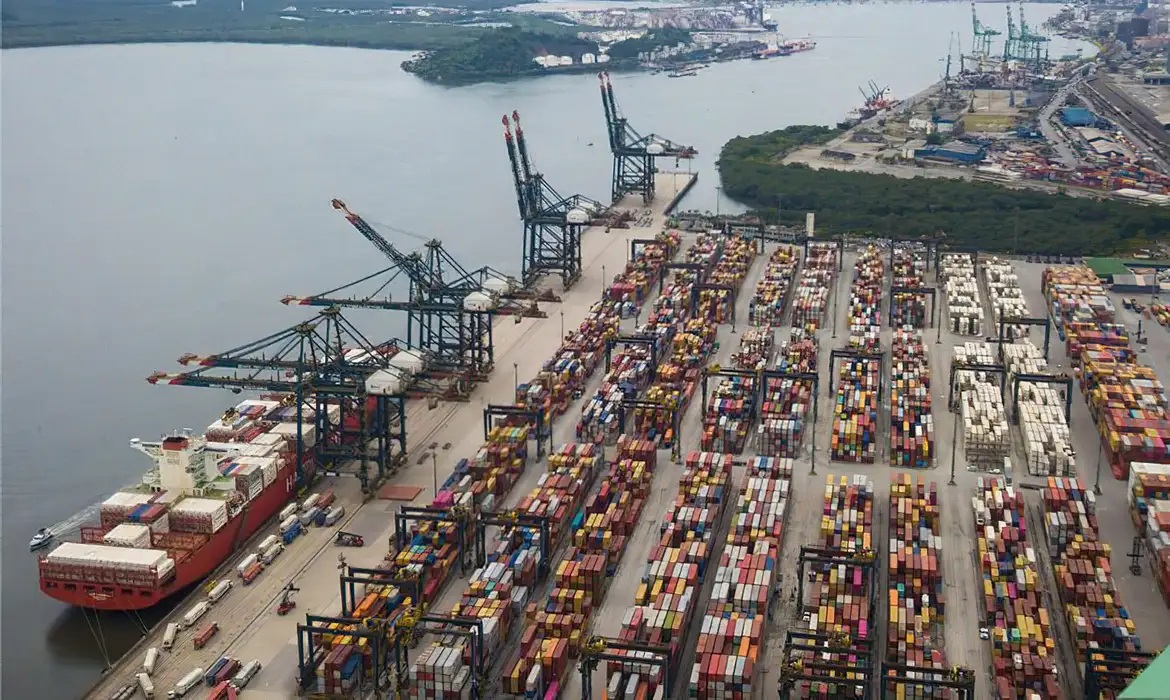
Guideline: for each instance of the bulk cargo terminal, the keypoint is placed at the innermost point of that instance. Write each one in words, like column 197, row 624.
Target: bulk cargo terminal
column 721, row 465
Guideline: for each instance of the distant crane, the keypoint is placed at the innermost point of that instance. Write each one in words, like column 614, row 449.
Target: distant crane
column 983, row 35
column 634, row 154
column 448, row 309
column 1030, row 45
column 552, row 224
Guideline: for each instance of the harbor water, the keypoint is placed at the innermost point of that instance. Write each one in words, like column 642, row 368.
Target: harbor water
column 161, row 199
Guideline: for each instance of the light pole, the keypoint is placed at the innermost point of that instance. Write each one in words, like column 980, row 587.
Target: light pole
column 718, row 197
column 515, row 376
column 1100, row 456
column 603, row 280
column 562, row 325
column 954, row 448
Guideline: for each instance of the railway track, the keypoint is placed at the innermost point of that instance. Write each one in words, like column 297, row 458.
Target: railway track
column 1134, row 115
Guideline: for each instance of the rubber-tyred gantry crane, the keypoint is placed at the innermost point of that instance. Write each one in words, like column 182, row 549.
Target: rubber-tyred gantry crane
column 634, row 154
column 351, row 390
column 449, row 310
column 552, row 223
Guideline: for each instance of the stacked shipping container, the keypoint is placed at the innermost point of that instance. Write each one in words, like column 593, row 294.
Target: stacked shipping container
column 729, row 415
column 730, row 648
column 1047, row 441
column 1006, row 297
column 858, row 379
column 841, row 596
column 908, row 309
column 787, row 401
column 985, row 427
column 964, row 312
column 916, row 593
column 1084, row 578
column 667, row 598
column 554, row 629
column 1149, row 508
column 1022, row 648
column 756, row 347
column 811, row 296
column 771, row 298
column 911, row 422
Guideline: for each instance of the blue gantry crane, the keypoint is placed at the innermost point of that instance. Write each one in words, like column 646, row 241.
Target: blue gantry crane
column 634, row 154
column 552, row 223
column 449, row 310
column 323, row 363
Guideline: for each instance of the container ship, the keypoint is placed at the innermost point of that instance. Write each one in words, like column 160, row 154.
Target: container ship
column 202, row 499
column 786, row 48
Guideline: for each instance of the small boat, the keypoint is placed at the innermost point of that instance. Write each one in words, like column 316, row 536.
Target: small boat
column 42, row 539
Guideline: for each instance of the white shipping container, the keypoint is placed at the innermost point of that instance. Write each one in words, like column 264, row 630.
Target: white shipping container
column 197, row 611
column 187, row 682
column 268, row 542
column 288, row 523
column 310, row 501
column 150, row 660
column 287, row 512
column 246, row 563
column 129, row 535
column 221, row 589
column 126, row 558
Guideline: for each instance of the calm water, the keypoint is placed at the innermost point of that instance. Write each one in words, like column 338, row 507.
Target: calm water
column 161, row 199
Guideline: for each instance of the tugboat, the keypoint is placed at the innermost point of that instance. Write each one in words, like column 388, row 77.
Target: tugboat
column 42, row 539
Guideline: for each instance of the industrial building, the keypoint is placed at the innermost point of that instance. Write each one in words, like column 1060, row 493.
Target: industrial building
column 1077, row 116
column 957, row 151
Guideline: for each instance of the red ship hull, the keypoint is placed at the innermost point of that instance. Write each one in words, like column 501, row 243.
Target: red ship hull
column 191, row 567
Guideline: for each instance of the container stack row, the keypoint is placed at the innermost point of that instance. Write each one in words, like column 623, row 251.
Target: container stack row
column 1023, row 652
column 908, row 309
column 771, row 298
column 583, row 349
column 730, row 648
column 679, row 371
column 629, row 374
column 914, row 635
column 1149, row 508
column 854, row 437
column 729, row 415
column 1096, row 616
column 964, row 310
column 1006, row 297
column 840, row 597
column 986, row 440
column 1075, row 295
column 1128, row 402
column 757, row 346
column 553, row 629
column 668, row 596
column 1047, row 441
column 810, row 299
column 786, row 401
column 341, row 660
column 911, row 422
column 498, row 593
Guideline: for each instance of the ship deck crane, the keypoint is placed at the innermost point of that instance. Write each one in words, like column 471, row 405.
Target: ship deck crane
column 552, row 224
column 634, row 154
column 326, row 361
column 449, row 309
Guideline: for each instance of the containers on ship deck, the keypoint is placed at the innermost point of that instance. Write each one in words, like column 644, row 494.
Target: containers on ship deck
column 770, row 300
column 554, row 628
column 1047, row 441
column 811, row 296
column 1022, row 647
column 198, row 515
column 964, row 311
column 840, row 597
column 786, row 402
column 985, row 427
column 917, row 602
column 667, row 597
column 103, row 564
column 728, row 655
column 729, row 415
column 911, row 422
column 1092, row 604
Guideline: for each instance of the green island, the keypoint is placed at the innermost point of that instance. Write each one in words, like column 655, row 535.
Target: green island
column 507, row 53
column 979, row 214
column 354, row 23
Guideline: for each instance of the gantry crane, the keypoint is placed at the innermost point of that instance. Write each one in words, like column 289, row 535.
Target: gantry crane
column 449, row 310
column 633, row 154
column 552, row 223
column 982, row 37
column 1011, row 41
column 1029, row 45
column 328, row 362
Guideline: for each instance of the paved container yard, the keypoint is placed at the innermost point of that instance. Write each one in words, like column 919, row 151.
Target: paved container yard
column 252, row 630
column 250, row 627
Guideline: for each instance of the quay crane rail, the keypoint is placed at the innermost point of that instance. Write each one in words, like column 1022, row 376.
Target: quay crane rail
column 552, row 224
column 328, row 361
column 449, row 309
column 634, row 154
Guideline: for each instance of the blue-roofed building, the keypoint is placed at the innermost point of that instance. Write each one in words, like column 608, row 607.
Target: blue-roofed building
column 1077, row 116
column 954, row 151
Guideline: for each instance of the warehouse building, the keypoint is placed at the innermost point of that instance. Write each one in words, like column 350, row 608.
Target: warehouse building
column 1077, row 116
column 956, row 151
